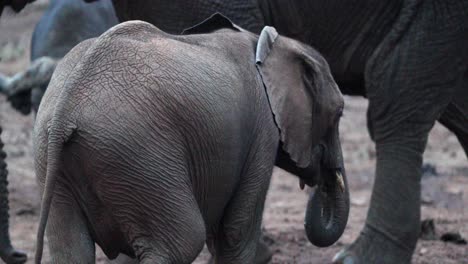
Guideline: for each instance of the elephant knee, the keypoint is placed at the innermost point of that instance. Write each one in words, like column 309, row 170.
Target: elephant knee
column 161, row 247
column 233, row 236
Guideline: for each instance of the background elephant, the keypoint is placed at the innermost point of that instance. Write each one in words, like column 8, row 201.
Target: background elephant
column 64, row 24
column 408, row 57
column 177, row 144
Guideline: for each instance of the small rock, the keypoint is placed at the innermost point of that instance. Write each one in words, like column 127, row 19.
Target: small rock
column 426, row 200
column 268, row 239
column 428, row 231
column 16, row 153
column 423, row 251
column 452, row 237
column 26, row 211
column 429, row 170
column 358, row 201
column 339, row 243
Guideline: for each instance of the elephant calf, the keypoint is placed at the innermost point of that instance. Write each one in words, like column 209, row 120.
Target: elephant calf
column 151, row 144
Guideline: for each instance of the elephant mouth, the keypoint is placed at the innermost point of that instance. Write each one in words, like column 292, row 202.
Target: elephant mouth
column 309, row 182
column 325, row 178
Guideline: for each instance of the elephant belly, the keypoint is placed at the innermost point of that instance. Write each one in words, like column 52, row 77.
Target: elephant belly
column 105, row 230
column 102, row 224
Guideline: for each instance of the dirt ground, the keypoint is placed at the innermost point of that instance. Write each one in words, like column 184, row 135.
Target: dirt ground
column 444, row 194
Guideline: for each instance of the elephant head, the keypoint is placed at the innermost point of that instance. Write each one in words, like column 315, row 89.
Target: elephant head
column 307, row 105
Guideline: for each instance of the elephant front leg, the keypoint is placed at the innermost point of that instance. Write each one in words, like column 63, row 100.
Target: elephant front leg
column 392, row 226
column 263, row 254
column 238, row 237
column 7, row 253
column 410, row 80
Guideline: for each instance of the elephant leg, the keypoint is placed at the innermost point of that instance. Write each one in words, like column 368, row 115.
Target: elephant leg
column 238, row 236
column 391, row 230
column 410, row 81
column 123, row 259
column 7, row 253
column 179, row 238
column 67, row 233
column 455, row 117
column 263, row 254
column 156, row 212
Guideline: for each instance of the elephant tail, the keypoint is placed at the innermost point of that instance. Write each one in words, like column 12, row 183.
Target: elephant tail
column 59, row 134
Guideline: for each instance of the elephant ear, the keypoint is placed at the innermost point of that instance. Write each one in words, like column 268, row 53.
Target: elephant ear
column 214, row 22
column 297, row 81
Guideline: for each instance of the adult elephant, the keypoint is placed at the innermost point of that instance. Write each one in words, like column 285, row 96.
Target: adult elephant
column 408, row 57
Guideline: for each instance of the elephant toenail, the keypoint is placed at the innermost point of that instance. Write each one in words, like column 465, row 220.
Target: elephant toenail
column 343, row 257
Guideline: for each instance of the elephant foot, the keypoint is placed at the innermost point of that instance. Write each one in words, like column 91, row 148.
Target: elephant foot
column 12, row 256
column 263, row 255
column 373, row 247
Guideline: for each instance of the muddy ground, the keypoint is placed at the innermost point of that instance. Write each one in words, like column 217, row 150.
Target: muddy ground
column 444, row 194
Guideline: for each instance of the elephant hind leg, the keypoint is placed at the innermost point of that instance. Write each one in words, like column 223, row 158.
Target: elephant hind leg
column 67, row 230
column 177, row 239
column 159, row 216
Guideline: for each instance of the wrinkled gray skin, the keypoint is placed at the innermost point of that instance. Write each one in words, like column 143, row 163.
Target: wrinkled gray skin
column 7, row 253
column 408, row 57
column 64, row 24
column 152, row 144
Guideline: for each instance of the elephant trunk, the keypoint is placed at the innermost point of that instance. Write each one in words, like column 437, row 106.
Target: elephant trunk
column 4, row 216
column 328, row 209
column 7, row 253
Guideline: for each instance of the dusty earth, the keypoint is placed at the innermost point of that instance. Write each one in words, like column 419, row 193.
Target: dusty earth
column 444, row 195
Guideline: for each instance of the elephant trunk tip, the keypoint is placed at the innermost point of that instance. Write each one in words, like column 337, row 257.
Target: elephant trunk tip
column 327, row 213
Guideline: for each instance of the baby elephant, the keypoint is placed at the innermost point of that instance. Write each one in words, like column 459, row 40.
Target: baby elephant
column 151, row 144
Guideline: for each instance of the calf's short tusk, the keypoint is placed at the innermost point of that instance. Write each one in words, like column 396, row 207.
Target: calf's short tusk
column 339, row 179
